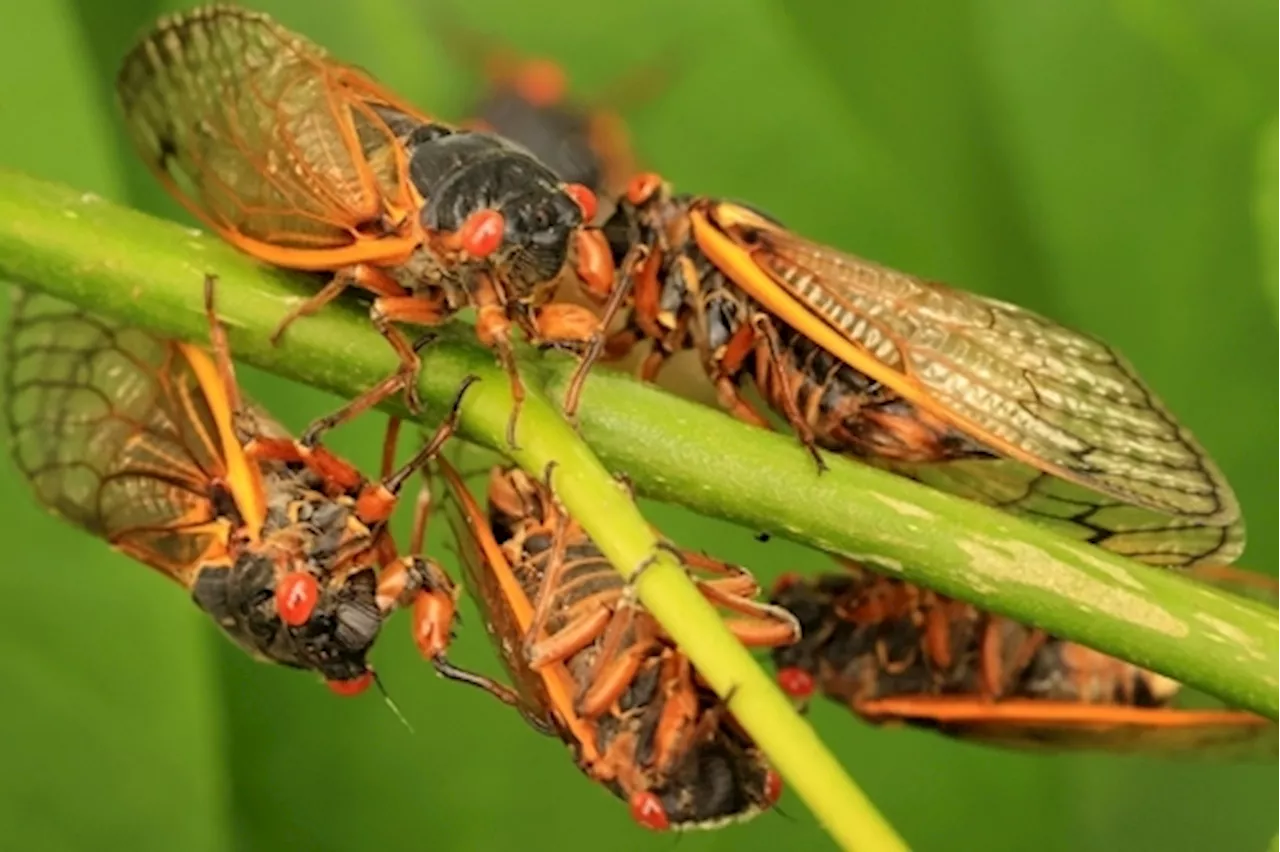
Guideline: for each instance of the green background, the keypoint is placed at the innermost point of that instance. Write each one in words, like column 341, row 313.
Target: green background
column 1112, row 164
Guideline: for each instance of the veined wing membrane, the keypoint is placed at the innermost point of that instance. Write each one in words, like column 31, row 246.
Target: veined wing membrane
column 507, row 610
column 112, row 429
column 1136, row 532
column 264, row 137
column 1029, row 389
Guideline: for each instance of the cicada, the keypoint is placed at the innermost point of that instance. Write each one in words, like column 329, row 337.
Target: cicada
column 592, row 666
column 527, row 99
column 148, row 444
column 964, row 393
column 307, row 163
column 894, row 652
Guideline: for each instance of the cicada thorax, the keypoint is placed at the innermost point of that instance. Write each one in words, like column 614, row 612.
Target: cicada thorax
column 598, row 670
column 467, row 177
column 896, row 653
column 147, row 444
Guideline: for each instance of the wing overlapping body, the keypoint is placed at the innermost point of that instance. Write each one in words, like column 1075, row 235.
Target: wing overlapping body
column 1081, row 439
column 288, row 154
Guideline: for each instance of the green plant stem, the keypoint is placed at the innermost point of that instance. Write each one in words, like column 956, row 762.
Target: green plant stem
column 149, row 273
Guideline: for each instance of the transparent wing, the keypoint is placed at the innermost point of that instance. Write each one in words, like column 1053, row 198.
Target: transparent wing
column 113, row 432
column 262, row 135
column 1033, row 391
column 1137, row 532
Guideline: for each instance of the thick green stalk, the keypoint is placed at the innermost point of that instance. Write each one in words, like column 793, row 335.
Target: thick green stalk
column 132, row 266
column 149, row 273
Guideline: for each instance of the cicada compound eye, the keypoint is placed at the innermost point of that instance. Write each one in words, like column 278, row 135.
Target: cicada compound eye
column 796, row 682
column 352, row 687
column 647, row 811
column 481, row 234
column 296, row 596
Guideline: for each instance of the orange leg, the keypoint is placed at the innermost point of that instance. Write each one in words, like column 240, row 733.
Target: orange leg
column 786, row 393
column 722, row 370
column 494, row 330
column 386, row 310
column 766, row 625
column 652, row 364
column 615, row 670
column 743, row 586
column 763, row 632
column 568, row 640
column 711, row 565
column 434, row 599
column 377, row 501
column 679, row 726
column 596, row 343
column 389, row 443
column 335, row 471
column 369, row 277
column 552, row 573
column 594, row 262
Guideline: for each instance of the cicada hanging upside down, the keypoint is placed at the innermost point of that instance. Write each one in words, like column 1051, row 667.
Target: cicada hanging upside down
column 593, row 667
column 309, row 164
column 895, row 652
column 147, row 444
column 964, row 393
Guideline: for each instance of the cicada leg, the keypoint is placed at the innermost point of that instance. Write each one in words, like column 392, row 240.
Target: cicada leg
column 734, row 589
column 723, row 370
column 385, row 311
column 257, row 446
column 616, row 665
column 421, row 582
column 493, row 328
column 377, row 500
column 336, row 286
column 621, row 288
column 787, row 392
column 679, row 725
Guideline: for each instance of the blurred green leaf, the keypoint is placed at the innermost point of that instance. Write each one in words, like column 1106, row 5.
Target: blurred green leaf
column 113, row 729
column 1266, row 211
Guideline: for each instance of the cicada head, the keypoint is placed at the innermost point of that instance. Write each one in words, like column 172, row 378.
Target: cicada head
column 811, row 601
column 501, row 208
column 294, row 618
column 717, row 782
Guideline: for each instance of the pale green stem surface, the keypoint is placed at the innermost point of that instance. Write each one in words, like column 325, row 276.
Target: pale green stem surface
column 149, row 273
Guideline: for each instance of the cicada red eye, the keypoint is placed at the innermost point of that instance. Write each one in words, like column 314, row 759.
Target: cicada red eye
column 296, row 597
column 647, row 810
column 352, row 687
column 642, row 187
column 795, row 682
column 585, row 199
column 541, row 82
column 772, row 787
column 482, row 233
